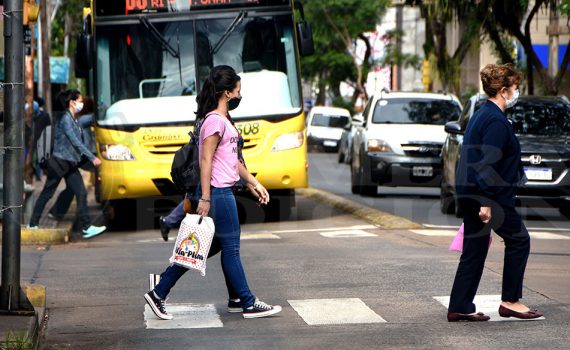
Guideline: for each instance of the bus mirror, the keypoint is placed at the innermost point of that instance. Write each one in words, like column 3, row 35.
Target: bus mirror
column 305, row 38
column 84, row 55
column 304, row 33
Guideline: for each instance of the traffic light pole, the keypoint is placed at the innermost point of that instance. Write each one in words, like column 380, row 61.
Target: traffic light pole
column 12, row 299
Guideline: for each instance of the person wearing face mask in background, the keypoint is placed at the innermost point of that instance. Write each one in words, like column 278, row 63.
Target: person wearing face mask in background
column 85, row 120
column 68, row 154
column 488, row 174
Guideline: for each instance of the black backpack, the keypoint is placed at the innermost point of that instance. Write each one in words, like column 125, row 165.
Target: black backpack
column 44, row 146
column 185, row 170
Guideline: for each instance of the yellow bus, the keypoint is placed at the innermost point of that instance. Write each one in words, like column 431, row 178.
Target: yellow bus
column 151, row 57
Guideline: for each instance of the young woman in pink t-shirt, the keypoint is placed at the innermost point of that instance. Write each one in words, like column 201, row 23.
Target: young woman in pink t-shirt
column 220, row 169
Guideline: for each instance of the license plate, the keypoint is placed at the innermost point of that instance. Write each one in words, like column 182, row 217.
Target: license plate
column 330, row 143
column 538, row 173
column 422, row 171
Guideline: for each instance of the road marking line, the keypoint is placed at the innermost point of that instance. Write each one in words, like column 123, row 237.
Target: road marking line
column 528, row 228
column 245, row 236
column 487, row 304
column 185, row 316
column 452, row 233
column 317, row 312
column 356, row 227
column 347, row 234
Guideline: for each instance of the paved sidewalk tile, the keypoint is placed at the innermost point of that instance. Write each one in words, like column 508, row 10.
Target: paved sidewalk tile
column 335, row 311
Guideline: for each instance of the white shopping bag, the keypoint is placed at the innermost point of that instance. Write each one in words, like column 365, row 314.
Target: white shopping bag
column 193, row 242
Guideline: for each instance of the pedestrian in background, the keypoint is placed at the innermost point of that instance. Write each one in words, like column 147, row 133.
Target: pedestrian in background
column 488, row 174
column 220, row 169
column 85, row 120
column 68, row 153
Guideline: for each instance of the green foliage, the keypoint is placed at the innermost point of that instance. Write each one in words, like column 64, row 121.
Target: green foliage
column 337, row 25
column 395, row 57
column 17, row 342
column 565, row 8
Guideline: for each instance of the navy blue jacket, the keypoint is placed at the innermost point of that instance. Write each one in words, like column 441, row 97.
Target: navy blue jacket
column 490, row 166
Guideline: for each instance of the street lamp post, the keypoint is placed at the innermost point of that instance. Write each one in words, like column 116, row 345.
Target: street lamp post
column 12, row 299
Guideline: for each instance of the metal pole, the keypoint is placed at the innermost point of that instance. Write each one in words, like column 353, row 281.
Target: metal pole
column 399, row 34
column 12, row 300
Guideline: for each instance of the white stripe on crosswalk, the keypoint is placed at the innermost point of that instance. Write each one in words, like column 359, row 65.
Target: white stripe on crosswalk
column 317, row 312
column 347, row 234
column 553, row 229
column 259, row 236
column 487, row 304
column 185, row 316
column 452, row 233
column 355, row 227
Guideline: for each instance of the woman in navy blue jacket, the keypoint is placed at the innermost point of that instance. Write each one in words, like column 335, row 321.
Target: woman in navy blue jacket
column 489, row 171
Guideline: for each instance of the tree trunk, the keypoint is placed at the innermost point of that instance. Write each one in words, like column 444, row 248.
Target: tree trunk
column 322, row 95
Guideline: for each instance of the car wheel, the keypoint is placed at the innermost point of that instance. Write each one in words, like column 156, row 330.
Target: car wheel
column 458, row 211
column 341, row 155
column 367, row 187
column 354, row 181
column 446, row 202
column 565, row 211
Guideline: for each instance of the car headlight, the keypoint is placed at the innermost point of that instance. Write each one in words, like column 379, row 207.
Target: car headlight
column 116, row 152
column 378, row 146
column 288, row 141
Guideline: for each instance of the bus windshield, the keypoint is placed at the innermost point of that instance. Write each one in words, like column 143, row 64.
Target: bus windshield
column 138, row 77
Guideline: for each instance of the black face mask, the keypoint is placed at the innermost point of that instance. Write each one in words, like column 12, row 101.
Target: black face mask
column 233, row 103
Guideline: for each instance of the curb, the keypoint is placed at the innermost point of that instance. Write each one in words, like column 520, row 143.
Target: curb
column 373, row 216
column 46, row 235
column 36, row 294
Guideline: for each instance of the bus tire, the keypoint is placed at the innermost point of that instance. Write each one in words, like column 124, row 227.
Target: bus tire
column 120, row 214
column 280, row 205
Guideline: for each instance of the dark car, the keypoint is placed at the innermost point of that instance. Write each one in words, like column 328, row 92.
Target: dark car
column 542, row 125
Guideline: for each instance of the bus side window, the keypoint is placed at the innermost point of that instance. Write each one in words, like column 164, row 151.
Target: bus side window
column 205, row 59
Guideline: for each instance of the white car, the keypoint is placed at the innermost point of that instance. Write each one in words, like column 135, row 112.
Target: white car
column 325, row 126
column 400, row 141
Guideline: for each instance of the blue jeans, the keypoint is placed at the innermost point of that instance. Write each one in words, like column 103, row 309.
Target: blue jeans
column 223, row 211
column 176, row 216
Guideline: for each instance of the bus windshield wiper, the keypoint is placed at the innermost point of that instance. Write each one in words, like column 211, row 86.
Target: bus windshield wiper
column 165, row 44
column 235, row 23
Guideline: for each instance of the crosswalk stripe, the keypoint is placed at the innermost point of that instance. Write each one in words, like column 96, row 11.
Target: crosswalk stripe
column 245, row 236
column 452, row 233
column 487, row 304
column 347, row 234
column 318, row 312
column 185, row 316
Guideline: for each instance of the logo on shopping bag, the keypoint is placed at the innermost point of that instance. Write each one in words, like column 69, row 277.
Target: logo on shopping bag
column 189, row 248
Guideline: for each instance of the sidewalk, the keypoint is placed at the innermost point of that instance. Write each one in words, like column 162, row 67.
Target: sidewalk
column 22, row 330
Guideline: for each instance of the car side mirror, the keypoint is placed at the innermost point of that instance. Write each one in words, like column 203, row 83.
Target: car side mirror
column 358, row 120
column 453, row 128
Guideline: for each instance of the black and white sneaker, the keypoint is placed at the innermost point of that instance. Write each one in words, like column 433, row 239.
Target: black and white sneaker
column 234, row 306
column 157, row 306
column 260, row 309
column 164, row 229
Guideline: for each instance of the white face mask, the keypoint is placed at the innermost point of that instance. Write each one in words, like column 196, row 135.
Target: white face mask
column 78, row 107
column 513, row 101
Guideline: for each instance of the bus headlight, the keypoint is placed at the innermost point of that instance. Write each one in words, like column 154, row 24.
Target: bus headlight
column 116, row 152
column 378, row 146
column 288, row 141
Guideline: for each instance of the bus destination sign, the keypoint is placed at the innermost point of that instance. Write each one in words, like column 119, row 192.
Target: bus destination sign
column 155, row 6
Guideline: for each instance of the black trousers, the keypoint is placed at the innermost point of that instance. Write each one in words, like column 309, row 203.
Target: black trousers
column 58, row 169
column 507, row 223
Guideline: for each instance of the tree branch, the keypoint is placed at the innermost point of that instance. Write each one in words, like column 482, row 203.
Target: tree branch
column 533, row 12
column 563, row 68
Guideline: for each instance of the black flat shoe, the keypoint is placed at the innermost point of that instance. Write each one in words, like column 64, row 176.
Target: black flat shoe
column 529, row 315
column 457, row 317
column 164, row 229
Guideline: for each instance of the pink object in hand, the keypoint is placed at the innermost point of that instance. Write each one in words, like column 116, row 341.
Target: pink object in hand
column 457, row 244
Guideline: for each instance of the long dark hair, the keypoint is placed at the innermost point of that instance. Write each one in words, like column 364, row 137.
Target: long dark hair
column 66, row 96
column 220, row 79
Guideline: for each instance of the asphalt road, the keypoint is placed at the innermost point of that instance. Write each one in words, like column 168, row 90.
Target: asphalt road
column 343, row 284
column 418, row 204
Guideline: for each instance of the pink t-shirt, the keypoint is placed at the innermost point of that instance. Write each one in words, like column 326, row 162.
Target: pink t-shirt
column 225, row 171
